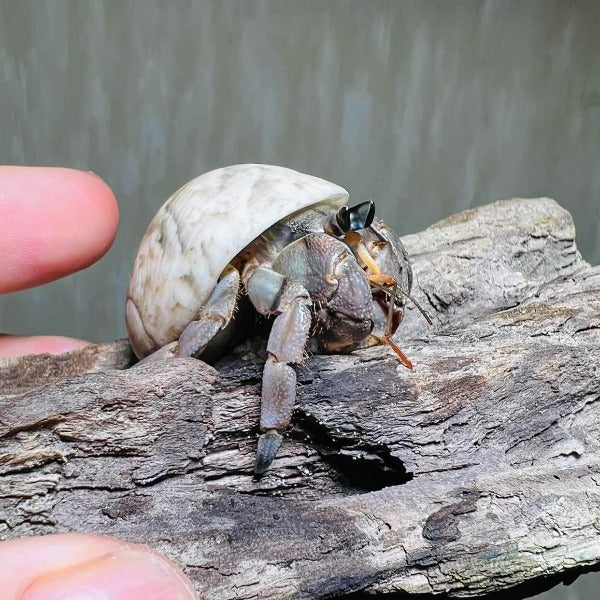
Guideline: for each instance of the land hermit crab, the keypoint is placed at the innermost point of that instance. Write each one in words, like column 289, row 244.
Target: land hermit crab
column 331, row 275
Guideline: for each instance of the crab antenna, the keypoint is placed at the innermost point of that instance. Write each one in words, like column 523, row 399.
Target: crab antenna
column 407, row 295
column 417, row 306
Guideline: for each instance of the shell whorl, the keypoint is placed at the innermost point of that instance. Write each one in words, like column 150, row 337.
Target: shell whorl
column 198, row 231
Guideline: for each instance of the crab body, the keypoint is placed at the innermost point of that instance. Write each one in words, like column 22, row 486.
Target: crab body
column 325, row 272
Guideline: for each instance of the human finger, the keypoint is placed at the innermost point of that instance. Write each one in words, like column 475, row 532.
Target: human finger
column 53, row 221
column 74, row 566
column 14, row 345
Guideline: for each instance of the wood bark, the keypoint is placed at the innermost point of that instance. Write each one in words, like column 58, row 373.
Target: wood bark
column 477, row 472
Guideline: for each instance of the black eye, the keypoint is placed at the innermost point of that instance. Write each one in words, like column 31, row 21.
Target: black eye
column 362, row 215
column 342, row 219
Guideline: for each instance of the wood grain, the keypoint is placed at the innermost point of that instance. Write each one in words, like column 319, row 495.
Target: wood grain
column 477, row 472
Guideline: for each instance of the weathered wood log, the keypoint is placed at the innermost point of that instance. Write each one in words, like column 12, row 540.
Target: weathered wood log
column 477, row 472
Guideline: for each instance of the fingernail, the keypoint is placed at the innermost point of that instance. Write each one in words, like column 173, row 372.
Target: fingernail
column 128, row 574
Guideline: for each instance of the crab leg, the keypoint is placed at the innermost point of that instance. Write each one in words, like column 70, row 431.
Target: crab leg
column 273, row 293
column 212, row 317
column 398, row 298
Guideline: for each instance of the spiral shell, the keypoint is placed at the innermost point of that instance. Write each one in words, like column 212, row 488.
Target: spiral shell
column 198, row 231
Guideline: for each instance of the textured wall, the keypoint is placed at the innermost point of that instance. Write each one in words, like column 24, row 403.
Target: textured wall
column 427, row 107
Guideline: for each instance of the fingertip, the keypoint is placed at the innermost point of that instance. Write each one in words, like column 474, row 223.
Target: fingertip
column 13, row 346
column 54, row 567
column 54, row 221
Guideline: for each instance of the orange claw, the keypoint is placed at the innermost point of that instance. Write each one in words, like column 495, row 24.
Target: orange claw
column 388, row 340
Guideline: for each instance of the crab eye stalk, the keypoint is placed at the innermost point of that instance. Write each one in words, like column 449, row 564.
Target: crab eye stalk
column 340, row 223
column 353, row 218
column 362, row 215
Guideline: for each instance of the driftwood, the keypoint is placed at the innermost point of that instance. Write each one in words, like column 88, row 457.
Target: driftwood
column 477, row 472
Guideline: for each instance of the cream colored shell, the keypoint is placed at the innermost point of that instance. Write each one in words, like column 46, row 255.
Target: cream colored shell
column 195, row 234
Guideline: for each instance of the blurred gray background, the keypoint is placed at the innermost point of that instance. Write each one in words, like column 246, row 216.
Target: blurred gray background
column 427, row 107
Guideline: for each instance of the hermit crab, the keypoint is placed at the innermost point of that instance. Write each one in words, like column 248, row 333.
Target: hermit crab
column 333, row 278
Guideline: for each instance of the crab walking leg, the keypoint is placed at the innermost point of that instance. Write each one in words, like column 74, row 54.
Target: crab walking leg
column 213, row 316
column 273, row 293
column 167, row 351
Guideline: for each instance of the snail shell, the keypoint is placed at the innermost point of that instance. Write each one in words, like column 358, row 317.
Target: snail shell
column 198, row 231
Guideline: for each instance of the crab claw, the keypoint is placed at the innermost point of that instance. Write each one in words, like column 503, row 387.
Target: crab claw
column 268, row 444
